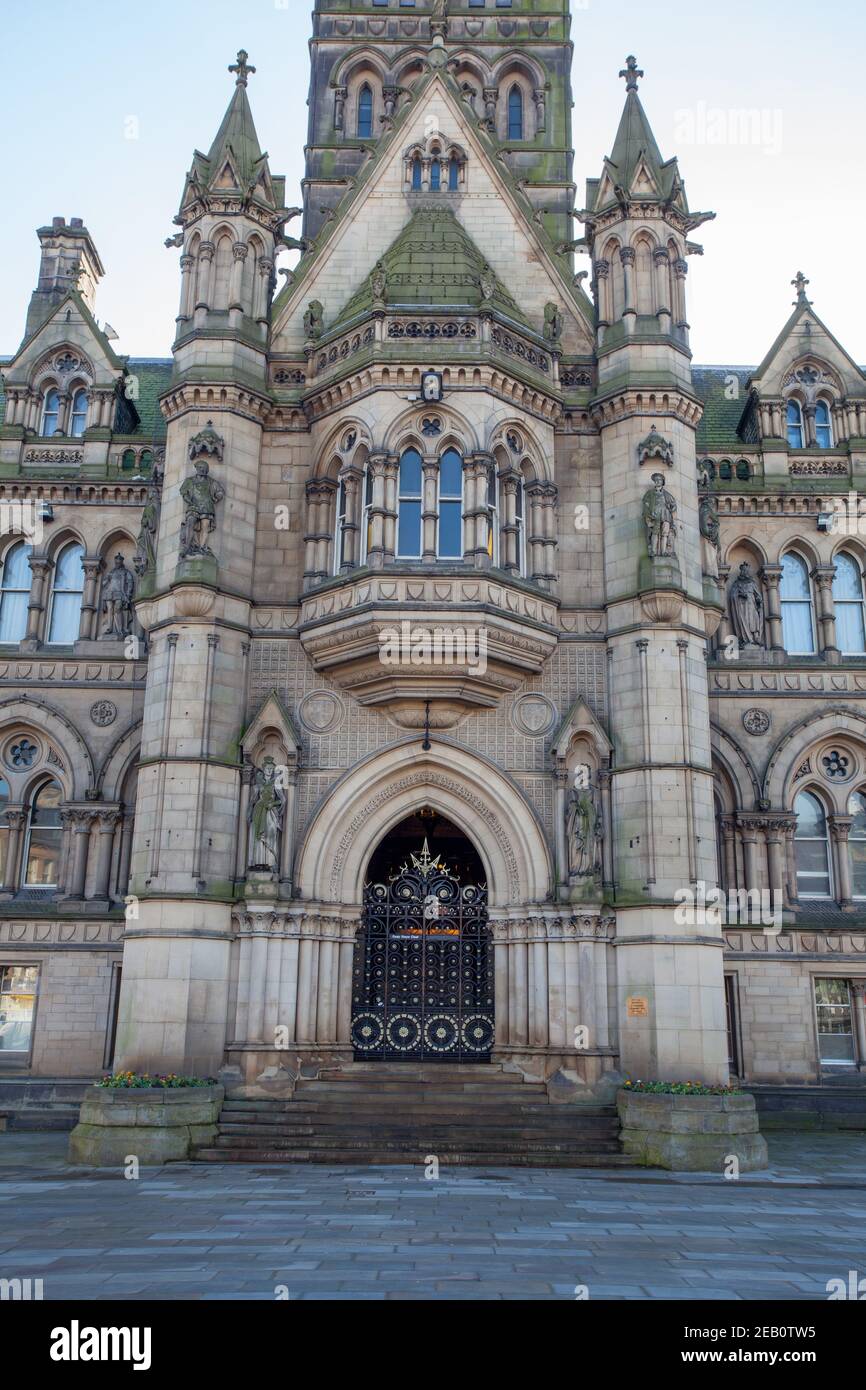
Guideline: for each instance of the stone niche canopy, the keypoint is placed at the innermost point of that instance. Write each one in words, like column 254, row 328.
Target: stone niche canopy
column 399, row 641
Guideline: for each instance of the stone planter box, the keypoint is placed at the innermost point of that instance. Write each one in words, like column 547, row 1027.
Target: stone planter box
column 691, row 1134
column 153, row 1124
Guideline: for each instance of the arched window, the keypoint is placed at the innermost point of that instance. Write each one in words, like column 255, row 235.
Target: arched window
column 454, row 174
column 744, row 472
column 79, row 413
column 15, row 592
column 811, row 848
column 50, row 413
column 515, row 113
column 127, row 463
column 857, row 843
column 450, row 506
column 848, row 599
column 795, row 425
column 145, row 463
column 66, row 596
column 726, row 471
column 365, row 112
column 795, row 591
column 4, row 828
column 436, row 175
column 409, row 506
column 493, row 506
column 823, row 426
column 42, row 843
column 416, row 174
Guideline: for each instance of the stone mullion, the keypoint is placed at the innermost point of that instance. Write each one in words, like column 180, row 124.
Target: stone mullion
column 470, row 500
column 771, row 575
column 483, row 520
column 793, row 896
column 840, row 830
column 809, row 423
column 823, row 576
column 36, row 603
column 549, row 501
column 429, row 510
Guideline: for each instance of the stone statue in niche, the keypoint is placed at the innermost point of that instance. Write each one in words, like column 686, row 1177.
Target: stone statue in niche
column 144, row 559
column 583, row 828
column 660, row 519
column 314, row 321
column 747, row 608
column 200, row 494
column 266, row 817
column 115, row 600
column 710, row 523
column 487, row 282
column 554, row 323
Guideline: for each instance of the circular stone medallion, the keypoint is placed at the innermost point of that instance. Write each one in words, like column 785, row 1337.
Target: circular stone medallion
column 103, row 713
column 321, row 712
column 756, row 721
column 533, row 715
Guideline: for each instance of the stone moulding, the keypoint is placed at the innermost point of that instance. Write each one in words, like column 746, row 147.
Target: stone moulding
column 691, row 1133
column 156, row 1124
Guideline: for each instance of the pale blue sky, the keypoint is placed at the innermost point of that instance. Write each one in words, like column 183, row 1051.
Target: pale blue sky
column 790, row 196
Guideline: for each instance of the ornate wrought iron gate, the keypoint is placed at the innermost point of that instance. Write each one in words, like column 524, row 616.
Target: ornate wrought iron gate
column 422, row 986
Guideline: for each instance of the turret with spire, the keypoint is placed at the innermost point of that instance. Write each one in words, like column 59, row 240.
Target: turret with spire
column 659, row 605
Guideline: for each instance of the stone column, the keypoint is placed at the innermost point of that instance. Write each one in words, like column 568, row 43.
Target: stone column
column 549, row 515
column 724, row 629
column 187, row 266
column 80, row 822
column 681, row 270
column 89, row 626
column 106, row 821
column 840, row 829
column 262, row 292
column 16, row 819
column 662, row 263
column 240, row 251
column 776, row 868
column 392, row 473
column 629, row 312
column 561, row 783
column 509, row 557
column 604, row 307
column 351, row 479
column 749, row 835
column 858, row 994
column 771, row 575
column 206, row 253
column 40, row 569
column 729, row 850
column 823, row 576
column 535, row 538
column 287, row 847
column 376, row 549
column 125, row 857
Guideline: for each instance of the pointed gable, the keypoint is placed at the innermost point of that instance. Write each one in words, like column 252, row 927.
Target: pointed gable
column 805, row 335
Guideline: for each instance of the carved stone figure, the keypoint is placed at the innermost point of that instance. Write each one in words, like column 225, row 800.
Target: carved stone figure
column 115, row 601
column 314, row 321
column 379, row 281
column 660, row 519
column 747, row 608
column 144, row 559
column 710, row 522
column 201, row 495
column 266, row 817
column 487, row 281
column 553, row 323
column 583, row 829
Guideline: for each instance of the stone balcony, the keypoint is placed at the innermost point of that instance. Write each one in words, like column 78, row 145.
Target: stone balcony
column 459, row 640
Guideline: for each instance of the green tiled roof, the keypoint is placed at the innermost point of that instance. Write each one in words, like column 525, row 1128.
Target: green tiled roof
column 434, row 263
column 717, row 431
column 154, row 375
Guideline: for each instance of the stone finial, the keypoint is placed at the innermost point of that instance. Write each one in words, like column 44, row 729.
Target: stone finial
column 242, row 68
column 800, row 282
column 631, row 72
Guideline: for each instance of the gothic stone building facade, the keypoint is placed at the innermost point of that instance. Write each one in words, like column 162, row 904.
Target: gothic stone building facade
column 464, row 636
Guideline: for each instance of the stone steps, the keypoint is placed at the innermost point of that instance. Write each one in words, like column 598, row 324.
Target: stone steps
column 374, row 1157
column 389, row 1113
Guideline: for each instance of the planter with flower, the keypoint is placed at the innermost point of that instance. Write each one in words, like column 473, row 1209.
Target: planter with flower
column 689, row 1127
column 156, row 1119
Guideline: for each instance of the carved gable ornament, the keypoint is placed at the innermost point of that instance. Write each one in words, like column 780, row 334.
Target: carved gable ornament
column 655, row 449
column 207, row 444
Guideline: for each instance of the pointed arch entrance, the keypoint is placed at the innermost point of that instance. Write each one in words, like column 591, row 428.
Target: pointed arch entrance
column 423, row 976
